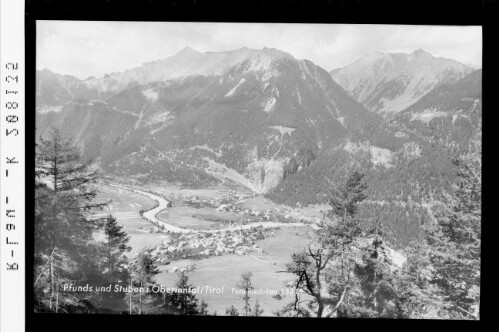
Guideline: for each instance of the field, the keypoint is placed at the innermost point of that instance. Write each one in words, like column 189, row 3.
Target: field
column 258, row 203
column 125, row 206
column 225, row 271
column 215, row 272
column 199, row 219
column 174, row 191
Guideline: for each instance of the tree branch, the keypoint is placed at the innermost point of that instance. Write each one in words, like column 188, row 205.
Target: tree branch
column 340, row 301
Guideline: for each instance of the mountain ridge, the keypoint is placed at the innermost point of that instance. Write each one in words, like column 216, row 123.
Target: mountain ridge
column 279, row 126
column 387, row 83
column 186, row 62
column 251, row 119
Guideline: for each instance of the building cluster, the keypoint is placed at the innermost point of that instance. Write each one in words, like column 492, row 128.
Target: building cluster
column 232, row 203
column 197, row 245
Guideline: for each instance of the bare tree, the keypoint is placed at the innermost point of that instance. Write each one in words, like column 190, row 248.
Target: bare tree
column 323, row 269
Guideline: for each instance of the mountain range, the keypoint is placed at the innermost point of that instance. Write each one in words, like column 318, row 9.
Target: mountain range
column 240, row 115
column 280, row 126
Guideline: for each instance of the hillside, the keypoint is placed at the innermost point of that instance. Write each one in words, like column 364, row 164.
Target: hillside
column 450, row 114
column 408, row 168
column 276, row 125
column 389, row 83
column 250, row 123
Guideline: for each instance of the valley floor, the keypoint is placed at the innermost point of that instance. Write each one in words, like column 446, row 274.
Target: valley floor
column 217, row 267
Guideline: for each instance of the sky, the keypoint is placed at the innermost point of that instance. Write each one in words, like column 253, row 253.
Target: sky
column 84, row 48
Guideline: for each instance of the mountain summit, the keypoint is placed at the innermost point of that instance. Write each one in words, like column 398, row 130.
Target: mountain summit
column 274, row 124
column 188, row 62
column 251, row 116
column 389, row 83
column 421, row 54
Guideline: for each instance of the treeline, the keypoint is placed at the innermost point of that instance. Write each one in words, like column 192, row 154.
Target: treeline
column 78, row 256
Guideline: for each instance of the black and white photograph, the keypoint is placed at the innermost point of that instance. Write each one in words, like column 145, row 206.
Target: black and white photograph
column 258, row 169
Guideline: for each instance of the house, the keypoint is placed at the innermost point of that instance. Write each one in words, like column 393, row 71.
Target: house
column 222, row 207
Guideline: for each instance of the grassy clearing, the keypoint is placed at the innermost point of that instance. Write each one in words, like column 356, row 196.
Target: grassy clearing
column 215, row 192
column 216, row 271
column 125, row 206
column 225, row 271
column 258, row 203
column 199, row 219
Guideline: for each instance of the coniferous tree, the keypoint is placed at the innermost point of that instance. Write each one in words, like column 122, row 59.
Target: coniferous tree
column 375, row 279
column 257, row 312
column 246, row 285
column 441, row 276
column 183, row 300
column 232, row 311
column 67, row 194
column 202, row 308
column 143, row 269
column 64, row 246
column 455, row 242
column 116, row 246
column 344, row 198
column 418, row 297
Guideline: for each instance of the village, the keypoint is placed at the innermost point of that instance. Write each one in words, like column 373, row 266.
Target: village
column 199, row 245
column 233, row 202
column 236, row 226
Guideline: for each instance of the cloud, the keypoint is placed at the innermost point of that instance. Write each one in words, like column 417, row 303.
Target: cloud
column 85, row 49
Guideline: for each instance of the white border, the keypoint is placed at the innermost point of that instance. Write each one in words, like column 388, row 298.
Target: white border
column 12, row 190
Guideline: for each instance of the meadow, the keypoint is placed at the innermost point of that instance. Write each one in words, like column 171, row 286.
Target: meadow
column 225, row 271
column 212, row 272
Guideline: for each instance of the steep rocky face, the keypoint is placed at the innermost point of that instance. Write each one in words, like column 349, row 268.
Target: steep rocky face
column 276, row 125
column 187, row 62
column 409, row 159
column 389, row 83
column 251, row 116
column 450, row 114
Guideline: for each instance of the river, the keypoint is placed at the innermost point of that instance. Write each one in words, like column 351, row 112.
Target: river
column 150, row 215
